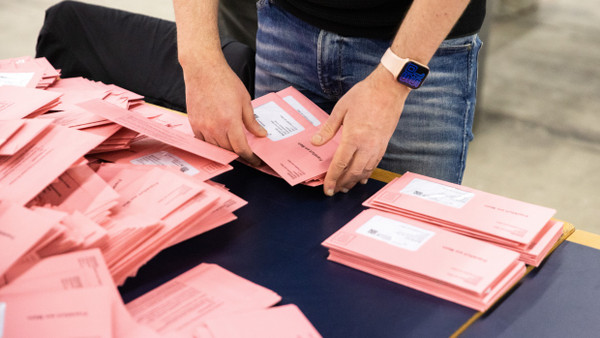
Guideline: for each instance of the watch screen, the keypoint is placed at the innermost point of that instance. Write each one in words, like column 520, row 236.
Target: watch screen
column 412, row 75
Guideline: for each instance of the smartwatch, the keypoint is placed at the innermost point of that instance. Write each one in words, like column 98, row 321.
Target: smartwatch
column 408, row 72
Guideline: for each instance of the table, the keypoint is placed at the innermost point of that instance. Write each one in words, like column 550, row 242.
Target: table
column 276, row 243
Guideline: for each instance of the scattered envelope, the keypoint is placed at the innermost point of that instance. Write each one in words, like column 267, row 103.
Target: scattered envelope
column 286, row 321
column 179, row 305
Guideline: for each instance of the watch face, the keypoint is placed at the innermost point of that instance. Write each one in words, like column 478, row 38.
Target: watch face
column 413, row 74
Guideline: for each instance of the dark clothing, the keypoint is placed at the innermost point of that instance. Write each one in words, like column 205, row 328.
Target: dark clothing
column 133, row 51
column 372, row 18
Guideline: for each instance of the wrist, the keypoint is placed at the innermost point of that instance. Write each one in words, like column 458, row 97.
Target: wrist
column 387, row 81
column 407, row 72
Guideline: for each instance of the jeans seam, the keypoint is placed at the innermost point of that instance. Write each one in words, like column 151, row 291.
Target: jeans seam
column 319, row 59
column 470, row 110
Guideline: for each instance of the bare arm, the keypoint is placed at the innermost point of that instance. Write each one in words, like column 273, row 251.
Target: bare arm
column 371, row 109
column 218, row 104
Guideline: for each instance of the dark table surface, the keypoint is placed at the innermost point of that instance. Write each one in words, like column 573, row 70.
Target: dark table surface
column 276, row 243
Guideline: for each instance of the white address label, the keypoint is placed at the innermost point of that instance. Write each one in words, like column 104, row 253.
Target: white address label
column 396, row 233
column 165, row 158
column 303, row 111
column 278, row 123
column 438, row 193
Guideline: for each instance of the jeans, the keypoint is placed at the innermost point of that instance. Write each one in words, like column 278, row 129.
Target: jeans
column 435, row 127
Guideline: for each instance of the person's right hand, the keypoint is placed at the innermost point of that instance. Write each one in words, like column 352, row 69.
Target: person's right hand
column 219, row 108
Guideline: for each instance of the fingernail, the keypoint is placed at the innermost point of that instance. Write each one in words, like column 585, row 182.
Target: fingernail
column 364, row 181
column 344, row 190
column 317, row 138
column 329, row 192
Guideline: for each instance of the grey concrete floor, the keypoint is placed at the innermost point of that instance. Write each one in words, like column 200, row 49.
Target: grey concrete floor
column 537, row 134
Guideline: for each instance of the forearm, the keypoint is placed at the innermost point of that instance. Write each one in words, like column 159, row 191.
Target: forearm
column 198, row 43
column 425, row 26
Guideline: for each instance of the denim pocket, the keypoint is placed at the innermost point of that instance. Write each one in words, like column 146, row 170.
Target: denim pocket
column 458, row 45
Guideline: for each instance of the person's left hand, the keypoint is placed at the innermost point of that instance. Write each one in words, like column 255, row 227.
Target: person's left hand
column 369, row 112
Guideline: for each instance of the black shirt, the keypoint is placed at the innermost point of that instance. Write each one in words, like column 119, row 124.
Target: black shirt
column 372, row 18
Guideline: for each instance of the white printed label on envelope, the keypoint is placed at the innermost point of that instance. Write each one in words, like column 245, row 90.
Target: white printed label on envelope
column 303, row 111
column 2, row 314
column 164, row 158
column 15, row 79
column 396, row 233
column 278, row 123
column 438, row 193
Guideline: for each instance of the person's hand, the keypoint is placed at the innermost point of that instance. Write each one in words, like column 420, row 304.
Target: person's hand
column 219, row 108
column 369, row 112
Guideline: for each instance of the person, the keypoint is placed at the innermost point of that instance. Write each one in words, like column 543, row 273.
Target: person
column 331, row 52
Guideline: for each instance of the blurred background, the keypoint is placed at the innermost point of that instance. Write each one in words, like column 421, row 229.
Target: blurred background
column 537, row 125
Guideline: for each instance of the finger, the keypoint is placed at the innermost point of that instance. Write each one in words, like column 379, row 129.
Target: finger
column 240, row 145
column 356, row 171
column 211, row 140
column 341, row 160
column 250, row 121
column 330, row 127
column 199, row 135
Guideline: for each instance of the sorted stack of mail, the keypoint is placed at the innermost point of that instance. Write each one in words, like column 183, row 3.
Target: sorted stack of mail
column 426, row 257
column 525, row 228
column 291, row 120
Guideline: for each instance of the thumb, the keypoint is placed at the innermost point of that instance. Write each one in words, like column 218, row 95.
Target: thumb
column 329, row 127
column 250, row 121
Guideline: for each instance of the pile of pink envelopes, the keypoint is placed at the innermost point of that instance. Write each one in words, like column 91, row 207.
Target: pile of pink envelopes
column 73, row 295
column 451, row 241
column 291, row 120
column 94, row 182
column 56, row 196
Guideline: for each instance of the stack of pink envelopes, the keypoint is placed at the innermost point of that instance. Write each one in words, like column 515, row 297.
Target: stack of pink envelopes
column 525, row 228
column 448, row 240
column 425, row 257
column 291, row 120
column 154, row 192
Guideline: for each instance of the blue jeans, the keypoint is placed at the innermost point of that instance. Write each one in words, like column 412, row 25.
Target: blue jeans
column 434, row 130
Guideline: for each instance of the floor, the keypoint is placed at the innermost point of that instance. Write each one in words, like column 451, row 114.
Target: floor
column 537, row 130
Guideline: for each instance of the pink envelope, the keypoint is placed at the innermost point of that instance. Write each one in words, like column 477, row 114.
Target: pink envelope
column 67, row 313
column 148, row 151
column 286, row 321
column 287, row 148
column 27, row 173
column 157, row 131
column 30, row 131
column 18, row 102
column 179, row 305
column 463, row 207
column 8, row 128
column 20, row 230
